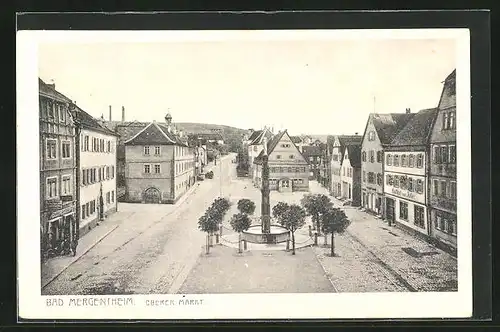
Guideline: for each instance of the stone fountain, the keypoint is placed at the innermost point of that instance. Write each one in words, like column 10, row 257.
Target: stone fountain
column 266, row 233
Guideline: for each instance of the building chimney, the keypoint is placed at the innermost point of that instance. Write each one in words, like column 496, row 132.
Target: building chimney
column 52, row 84
column 110, row 118
column 355, row 133
column 408, row 111
column 123, row 113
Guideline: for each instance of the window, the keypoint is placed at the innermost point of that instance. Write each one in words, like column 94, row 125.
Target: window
column 278, row 156
column 83, row 211
column 255, row 147
column 51, row 149
column 403, row 210
column 396, row 181
column 420, row 186
column 113, row 172
column 157, row 150
column 371, row 177
column 410, row 185
column 419, row 220
column 66, row 185
column 444, row 154
column 343, row 171
column 108, row 197
column 86, row 143
column 436, row 187
column 285, row 145
column 157, row 169
column 112, row 196
column 292, row 156
column 52, row 187
column 420, row 160
column 87, row 208
column 380, row 156
column 403, row 183
column 404, row 162
column 147, row 169
column 396, row 160
column 371, row 136
column 372, row 156
column 146, row 150
column 336, row 157
column 379, row 179
column 452, row 154
column 389, row 160
column 311, row 159
column 411, row 160
column 363, row 156
column 453, row 189
column 390, row 180
column 451, row 120
column 443, row 189
column 62, row 113
column 445, row 120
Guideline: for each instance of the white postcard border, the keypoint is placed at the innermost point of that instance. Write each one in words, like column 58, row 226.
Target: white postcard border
column 32, row 305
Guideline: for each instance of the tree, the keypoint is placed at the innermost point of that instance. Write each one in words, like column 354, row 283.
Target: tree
column 209, row 224
column 293, row 219
column 334, row 221
column 240, row 222
column 279, row 211
column 246, row 206
column 316, row 205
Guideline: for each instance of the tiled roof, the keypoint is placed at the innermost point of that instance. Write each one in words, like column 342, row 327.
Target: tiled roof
column 48, row 91
column 389, row 125
column 271, row 144
column 154, row 133
column 259, row 138
column 254, row 135
column 87, row 121
column 448, row 94
column 354, row 152
column 312, row 150
column 417, row 130
column 350, row 139
column 296, row 139
column 210, row 136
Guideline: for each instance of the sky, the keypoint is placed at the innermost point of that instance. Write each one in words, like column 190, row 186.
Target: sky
column 306, row 86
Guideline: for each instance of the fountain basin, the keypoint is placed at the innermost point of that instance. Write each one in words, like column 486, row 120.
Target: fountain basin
column 278, row 234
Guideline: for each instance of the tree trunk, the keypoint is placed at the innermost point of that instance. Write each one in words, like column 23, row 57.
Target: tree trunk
column 318, row 226
column 208, row 244
column 293, row 243
column 333, row 247
column 239, row 243
column 326, row 240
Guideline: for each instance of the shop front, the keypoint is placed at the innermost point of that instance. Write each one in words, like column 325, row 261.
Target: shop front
column 60, row 232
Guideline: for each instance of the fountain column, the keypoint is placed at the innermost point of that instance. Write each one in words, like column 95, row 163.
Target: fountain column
column 265, row 202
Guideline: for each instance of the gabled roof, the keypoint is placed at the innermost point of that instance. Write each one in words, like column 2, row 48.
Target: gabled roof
column 348, row 140
column 296, row 139
column 258, row 136
column 271, row 144
column 312, row 150
column 389, row 125
column 154, row 133
column 47, row 90
column 87, row 121
column 354, row 152
column 417, row 131
column 448, row 93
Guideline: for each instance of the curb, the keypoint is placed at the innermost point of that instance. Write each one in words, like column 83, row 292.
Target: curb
column 80, row 256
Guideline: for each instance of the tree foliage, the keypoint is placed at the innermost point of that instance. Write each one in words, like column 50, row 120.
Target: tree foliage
column 316, row 205
column 208, row 223
column 279, row 211
column 240, row 222
column 246, row 206
column 293, row 218
column 334, row 220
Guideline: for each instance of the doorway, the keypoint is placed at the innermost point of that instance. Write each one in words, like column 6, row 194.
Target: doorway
column 390, row 209
column 152, row 196
column 285, row 185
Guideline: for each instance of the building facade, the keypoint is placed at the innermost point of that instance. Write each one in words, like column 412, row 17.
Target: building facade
column 406, row 173
column 288, row 168
column 97, row 187
column 255, row 147
column 339, row 143
column 160, row 167
column 58, row 222
column 443, row 169
column 379, row 132
column 313, row 153
column 351, row 174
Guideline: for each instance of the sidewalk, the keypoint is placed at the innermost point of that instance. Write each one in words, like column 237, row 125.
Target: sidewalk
column 53, row 267
column 423, row 266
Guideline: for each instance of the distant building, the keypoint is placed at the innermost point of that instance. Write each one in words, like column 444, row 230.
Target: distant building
column 443, row 168
column 97, row 187
column 338, row 149
column 325, row 172
column 58, row 201
column 288, row 168
column 313, row 154
column 255, row 147
column 297, row 140
column 200, row 159
column 379, row 132
column 160, row 167
column 405, row 173
column 351, row 174
column 212, row 137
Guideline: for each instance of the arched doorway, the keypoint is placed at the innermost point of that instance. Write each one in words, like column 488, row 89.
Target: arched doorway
column 285, row 185
column 152, row 196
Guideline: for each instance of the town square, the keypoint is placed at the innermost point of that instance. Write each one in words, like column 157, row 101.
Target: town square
column 160, row 196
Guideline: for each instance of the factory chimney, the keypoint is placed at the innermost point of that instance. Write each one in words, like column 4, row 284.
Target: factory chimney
column 110, row 118
column 123, row 113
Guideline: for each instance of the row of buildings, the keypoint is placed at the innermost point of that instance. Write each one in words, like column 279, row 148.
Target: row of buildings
column 87, row 164
column 403, row 168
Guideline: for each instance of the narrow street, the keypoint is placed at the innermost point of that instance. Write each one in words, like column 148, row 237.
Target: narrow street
column 149, row 250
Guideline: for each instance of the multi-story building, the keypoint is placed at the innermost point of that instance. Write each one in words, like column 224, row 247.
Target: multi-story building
column 96, row 155
column 339, row 143
column 288, row 168
column 313, row 153
column 58, row 222
column 351, row 174
column 379, row 132
column 255, row 146
column 443, row 169
column 297, row 140
column 325, row 167
column 406, row 174
column 160, row 166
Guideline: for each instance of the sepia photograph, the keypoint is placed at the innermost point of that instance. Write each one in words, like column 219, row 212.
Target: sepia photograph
column 177, row 167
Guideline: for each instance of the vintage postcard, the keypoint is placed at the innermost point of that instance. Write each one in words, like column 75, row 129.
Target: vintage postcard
column 244, row 174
